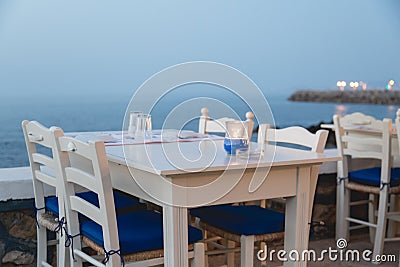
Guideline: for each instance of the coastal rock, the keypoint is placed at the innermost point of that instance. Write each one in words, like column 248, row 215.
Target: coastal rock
column 19, row 225
column 18, row 258
column 382, row 97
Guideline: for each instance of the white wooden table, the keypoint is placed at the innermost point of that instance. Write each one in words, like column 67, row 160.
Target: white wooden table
column 362, row 131
column 289, row 176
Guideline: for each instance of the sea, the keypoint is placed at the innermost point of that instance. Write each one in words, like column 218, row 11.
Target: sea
column 105, row 113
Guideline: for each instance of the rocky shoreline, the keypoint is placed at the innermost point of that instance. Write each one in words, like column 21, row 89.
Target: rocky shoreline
column 381, row 97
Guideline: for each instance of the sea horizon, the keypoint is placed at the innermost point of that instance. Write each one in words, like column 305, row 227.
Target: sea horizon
column 106, row 113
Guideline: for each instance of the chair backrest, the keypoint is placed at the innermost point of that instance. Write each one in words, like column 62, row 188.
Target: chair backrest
column 294, row 135
column 361, row 136
column 45, row 169
column 206, row 125
column 97, row 180
column 300, row 136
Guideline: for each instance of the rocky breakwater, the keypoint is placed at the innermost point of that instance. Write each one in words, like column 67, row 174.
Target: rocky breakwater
column 383, row 97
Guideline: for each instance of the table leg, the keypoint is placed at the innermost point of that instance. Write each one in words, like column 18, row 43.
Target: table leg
column 296, row 220
column 175, row 224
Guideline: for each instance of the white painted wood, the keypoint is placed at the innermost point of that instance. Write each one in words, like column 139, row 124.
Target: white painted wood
column 246, row 250
column 45, row 178
column 374, row 141
column 203, row 120
column 43, row 160
column 16, row 183
column 151, row 157
column 104, row 215
column 199, row 255
column 35, row 135
column 281, row 182
column 175, row 235
column 82, row 178
column 297, row 216
column 298, row 136
column 207, row 125
column 97, row 178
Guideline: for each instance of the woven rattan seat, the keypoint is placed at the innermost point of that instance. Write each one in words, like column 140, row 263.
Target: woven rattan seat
column 271, row 237
column 370, row 189
column 138, row 256
column 48, row 220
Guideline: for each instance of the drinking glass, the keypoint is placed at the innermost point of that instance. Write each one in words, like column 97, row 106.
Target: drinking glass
column 133, row 122
column 236, row 136
column 143, row 126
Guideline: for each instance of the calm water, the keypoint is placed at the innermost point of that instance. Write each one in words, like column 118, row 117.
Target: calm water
column 107, row 113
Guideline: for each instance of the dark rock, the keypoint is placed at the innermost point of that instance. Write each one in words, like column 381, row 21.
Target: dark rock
column 19, row 225
column 381, row 97
column 18, row 258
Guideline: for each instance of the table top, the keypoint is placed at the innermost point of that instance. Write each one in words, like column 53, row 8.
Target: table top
column 358, row 128
column 207, row 155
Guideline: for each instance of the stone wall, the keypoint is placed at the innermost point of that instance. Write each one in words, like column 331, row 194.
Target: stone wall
column 17, row 233
column 335, row 96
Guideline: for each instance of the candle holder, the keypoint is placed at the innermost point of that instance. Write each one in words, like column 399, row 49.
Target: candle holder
column 236, row 136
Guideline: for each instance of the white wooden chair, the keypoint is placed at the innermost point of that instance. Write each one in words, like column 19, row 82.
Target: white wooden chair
column 37, row 135
column 374, row 142
column 136, row 237
column 249, row 224
column 47, row 170
column 207, row 125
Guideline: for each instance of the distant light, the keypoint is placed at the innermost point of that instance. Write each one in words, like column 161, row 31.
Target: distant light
column 363, row 85
column 341, row 85
column 391, row 82
column 354, row 85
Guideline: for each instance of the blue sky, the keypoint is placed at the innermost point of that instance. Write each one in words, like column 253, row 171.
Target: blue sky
column 111, row 47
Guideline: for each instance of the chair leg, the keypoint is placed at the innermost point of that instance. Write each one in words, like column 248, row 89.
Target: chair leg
column 371, row 216
column 63, row 257
column 342, row 210
column 205, row 236
column 381, row 223
column 247, row 250
column 41, row 245
column 199, row 255
column 392, row 225
column 230, row 257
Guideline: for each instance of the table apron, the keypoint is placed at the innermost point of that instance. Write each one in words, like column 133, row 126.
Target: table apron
column 280, row 182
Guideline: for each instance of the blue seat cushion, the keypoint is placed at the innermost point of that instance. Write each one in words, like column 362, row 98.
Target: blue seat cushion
column 241, row 220
column 138, row 231
column 372, row 176
column 123, row 204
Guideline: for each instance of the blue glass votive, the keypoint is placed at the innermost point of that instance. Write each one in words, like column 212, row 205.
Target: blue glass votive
column 232, row 144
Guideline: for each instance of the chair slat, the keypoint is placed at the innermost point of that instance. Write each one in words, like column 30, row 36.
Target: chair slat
column 82, row 178
column 362, row 140
column 89, row 210
column 292, row 135
column 217, row 126
column 45, row 178
column 39, row 134
column 362, row 154
column 69, row 144
column 43, row 159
